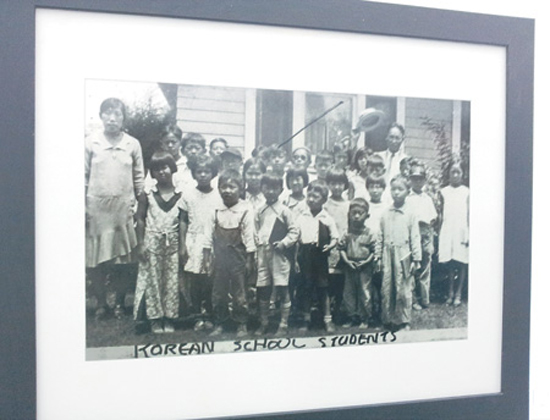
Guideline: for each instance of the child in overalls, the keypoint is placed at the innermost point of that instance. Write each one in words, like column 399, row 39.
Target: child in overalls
column 230, row 235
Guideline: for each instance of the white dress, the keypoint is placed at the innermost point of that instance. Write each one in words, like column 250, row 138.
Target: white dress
column 454, row 236
column 200, row 208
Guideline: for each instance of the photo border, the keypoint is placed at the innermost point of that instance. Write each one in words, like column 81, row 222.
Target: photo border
column 17, row 70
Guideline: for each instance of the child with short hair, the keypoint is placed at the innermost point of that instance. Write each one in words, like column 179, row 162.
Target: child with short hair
column 323, row 162
column 337, row 206
column 253, row 171
column 158, row 220
column 318, row 236
column 276, row 233
column 405, row 166
column 230, row 237
column 454, row 237
column 375, row 165
column 231, row 159
column 342, row 156
column 296, row 180
column 401, row 253
column 170, row 142
column 192, row 145
column 217, row 147
column 279, row 161
column 275, row 159
column 197, row 207
column 422, row 205
column 359, row 172
column 376, row 186
column 357, row 247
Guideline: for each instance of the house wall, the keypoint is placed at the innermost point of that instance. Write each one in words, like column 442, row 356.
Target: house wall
column 231, row 113
column 213, row 112
column 419, row 141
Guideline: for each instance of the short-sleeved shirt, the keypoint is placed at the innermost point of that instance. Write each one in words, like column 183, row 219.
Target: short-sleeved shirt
column 240, row 215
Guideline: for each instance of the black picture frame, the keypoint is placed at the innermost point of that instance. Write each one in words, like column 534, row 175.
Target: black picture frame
column 18, row 393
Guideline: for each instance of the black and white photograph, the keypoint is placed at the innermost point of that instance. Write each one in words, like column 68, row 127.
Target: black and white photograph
column 269, row 213
column 237, row 219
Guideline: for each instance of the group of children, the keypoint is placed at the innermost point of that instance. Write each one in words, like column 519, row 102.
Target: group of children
column 273, row 242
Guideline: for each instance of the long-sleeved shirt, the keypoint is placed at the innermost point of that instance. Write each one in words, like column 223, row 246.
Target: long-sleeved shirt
column 422, row 206
column 399, row 230
column 265, row 219
column 309, row 227
column 113, row 170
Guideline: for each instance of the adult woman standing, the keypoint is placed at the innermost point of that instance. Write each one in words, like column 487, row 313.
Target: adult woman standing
column 114, row 178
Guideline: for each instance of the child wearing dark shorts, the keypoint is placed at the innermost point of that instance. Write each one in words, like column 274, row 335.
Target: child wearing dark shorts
column 318, row 236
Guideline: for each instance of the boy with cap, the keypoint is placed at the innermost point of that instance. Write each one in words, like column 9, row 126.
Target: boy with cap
column 231, row 159
column 422, row 206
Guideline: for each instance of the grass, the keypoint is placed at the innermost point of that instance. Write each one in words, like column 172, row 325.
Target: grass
column 122, row 332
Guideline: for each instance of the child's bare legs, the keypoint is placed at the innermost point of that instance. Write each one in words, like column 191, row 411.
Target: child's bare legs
column 457, row 275
column 283, row 297
column 461, row 276
column 324, row 301
column 450, row 294
column 264, row 295
column 123, row 280
column 98, row 279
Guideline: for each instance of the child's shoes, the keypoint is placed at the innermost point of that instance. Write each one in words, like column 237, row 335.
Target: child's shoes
column 217, row 331
column 156, row 326
column 241, row 330
column 261, row 331
column 100, row 313
column 282, row 330
column 118, row 312
column 168, row 326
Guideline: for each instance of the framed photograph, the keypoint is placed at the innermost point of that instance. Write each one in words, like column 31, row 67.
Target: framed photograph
column 177, row 277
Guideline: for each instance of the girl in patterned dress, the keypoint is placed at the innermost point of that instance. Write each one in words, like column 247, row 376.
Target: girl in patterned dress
column 159, row 248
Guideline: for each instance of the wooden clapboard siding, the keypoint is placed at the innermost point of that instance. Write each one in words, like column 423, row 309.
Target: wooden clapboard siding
column 213, row 112
column 420, row 143
column 213, row 127
column 230, row 118
column 210, row 105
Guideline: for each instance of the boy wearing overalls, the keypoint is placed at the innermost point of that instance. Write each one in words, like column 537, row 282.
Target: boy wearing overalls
column 230, row 235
